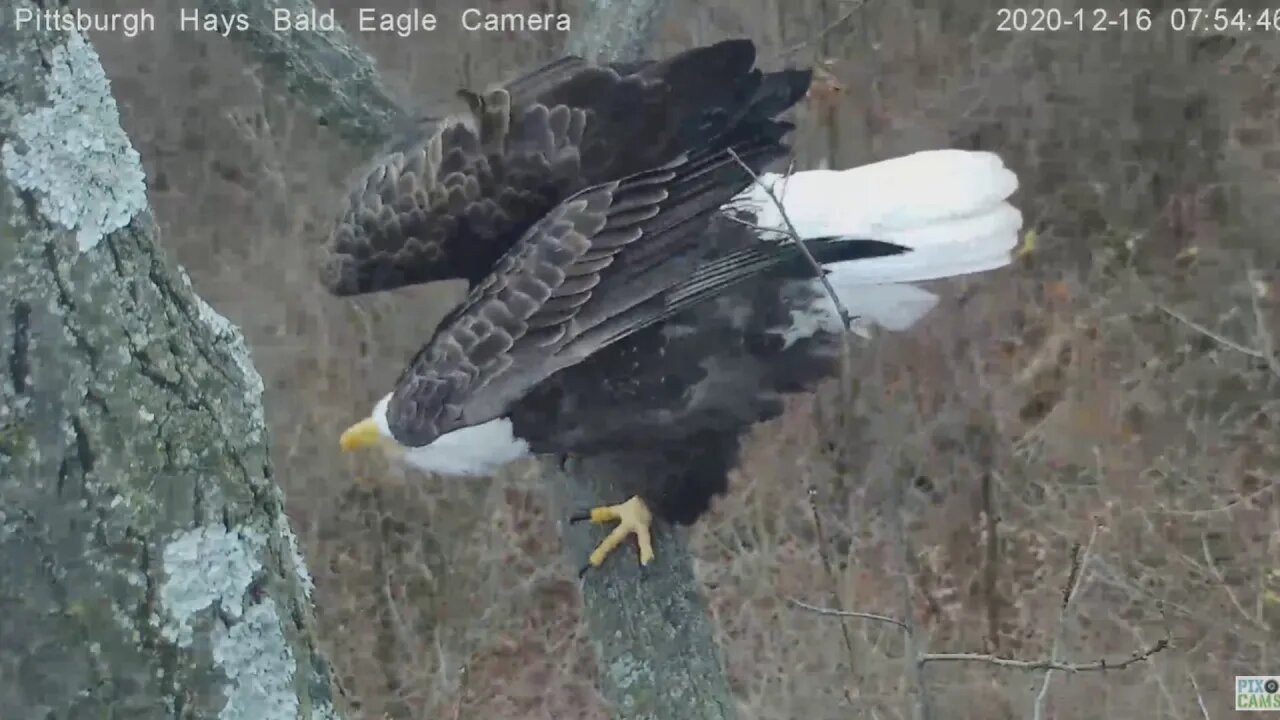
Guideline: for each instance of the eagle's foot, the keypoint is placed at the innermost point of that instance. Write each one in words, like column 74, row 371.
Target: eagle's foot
column 633, row 516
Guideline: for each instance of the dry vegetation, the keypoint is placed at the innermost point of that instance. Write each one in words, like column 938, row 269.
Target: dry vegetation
column 1115, row 395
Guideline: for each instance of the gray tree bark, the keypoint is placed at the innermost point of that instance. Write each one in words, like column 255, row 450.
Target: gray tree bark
column 147, row 569
column 338, row 82
column 654, row 639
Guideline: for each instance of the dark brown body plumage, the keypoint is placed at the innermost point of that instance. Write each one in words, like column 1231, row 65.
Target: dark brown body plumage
column 672, row 400
column 574, row 201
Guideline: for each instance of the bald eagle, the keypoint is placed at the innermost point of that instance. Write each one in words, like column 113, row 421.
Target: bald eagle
column 633, row 283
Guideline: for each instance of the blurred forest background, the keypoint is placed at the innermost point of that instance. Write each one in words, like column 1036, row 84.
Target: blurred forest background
column 1117, row 390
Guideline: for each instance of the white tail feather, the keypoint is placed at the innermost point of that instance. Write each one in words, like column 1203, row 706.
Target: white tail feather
column 942, row 249
column 948, row 207
column 887, row 197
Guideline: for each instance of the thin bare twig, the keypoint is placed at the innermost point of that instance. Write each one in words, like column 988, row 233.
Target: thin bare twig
column 1048, row 664
column 824, row 32
column 1225, row 342
column 1045, row 664
column 1264, row 332
column 922, row 708
column 847, row 613
column 754, row 227
column 1233, row 504
column 991, row 570
column 462, row 693
column 1222, row 580
column 831, row 578
column 1073, row 576
column 1204, row 711
column 848, row 326
column 795, row 237
column 1070, row 594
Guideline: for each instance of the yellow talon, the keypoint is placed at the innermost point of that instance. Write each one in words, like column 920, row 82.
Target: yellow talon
column 632, row 516
column 1028, row 244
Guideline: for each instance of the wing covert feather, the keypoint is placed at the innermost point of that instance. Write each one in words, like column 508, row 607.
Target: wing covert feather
column 447, row 203
column 448, row 200
column 571, row 272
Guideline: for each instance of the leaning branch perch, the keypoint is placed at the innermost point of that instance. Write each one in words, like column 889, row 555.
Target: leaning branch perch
column 653, row 636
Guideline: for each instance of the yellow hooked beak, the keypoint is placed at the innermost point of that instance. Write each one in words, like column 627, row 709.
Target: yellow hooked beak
column 363, row 434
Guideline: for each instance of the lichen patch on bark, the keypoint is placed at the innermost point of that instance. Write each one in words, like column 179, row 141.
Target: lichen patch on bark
column 207, row 567
column 72, row 153
column 259, row 666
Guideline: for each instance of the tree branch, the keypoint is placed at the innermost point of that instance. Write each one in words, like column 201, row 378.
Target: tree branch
column 616, row 30
column 1265, row 336
column 798, row 241
column 1070, row 594
column 653, row 636
column 922, row 706
column 1225, row 342
column 847, row 613
column 337, row 81
column 1070, row 598
column 847, row 321
column 1044, row 664
column 148, row 567
column 1048, row 664
column 853, row 7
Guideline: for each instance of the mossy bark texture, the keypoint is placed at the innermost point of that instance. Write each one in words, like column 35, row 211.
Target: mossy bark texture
column 147, row 569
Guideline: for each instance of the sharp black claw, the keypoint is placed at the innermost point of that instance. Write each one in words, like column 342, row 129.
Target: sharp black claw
column 583, row 572
column 644, row 573
column 579, row 517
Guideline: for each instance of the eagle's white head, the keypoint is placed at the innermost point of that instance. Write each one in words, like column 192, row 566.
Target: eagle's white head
column 477, row 450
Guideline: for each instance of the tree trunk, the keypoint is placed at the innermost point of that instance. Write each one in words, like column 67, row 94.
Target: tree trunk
column 148, row 569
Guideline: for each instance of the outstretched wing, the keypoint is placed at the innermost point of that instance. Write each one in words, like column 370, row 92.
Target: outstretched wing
column 447, row 204
column 594, row 258
column 449, row 201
